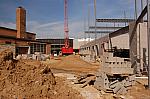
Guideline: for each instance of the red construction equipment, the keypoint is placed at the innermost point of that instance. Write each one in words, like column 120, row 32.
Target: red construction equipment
column 66, row 49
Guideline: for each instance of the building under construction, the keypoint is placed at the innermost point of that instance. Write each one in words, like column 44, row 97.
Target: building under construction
column 121, row 53
column 114, row 65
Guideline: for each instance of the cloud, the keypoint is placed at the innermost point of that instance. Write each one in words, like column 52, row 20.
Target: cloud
column 46, row 30
column 8, row 25
column 56, row 29
column 51, row 29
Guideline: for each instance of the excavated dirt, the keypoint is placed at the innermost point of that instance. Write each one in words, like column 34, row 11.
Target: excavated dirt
column 26, row 79
column 72, row 63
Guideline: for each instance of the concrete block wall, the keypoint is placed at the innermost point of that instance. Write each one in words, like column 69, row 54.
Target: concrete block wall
column 93, row 44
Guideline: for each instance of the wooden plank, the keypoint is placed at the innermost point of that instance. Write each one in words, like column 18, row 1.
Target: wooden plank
column 88, row 80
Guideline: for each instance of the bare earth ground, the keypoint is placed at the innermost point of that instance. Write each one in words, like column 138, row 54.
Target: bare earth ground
column 30, row 79
column 73, row 64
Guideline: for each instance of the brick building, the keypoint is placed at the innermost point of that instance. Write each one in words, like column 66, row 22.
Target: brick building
column 23, row 42
column 56, row 44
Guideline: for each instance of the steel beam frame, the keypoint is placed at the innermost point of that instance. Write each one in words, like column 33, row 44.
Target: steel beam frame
column 92, row 32
column 121, row 31
column 126, row 29
column 140, row 19
column 105, row 27
column 115, row 20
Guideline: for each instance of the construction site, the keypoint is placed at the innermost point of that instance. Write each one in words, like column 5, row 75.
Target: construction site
column 111, row 60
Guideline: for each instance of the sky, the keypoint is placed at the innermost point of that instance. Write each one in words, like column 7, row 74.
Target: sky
column 46, row 17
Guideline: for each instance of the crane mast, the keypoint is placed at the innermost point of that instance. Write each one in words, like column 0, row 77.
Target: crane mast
column 66, row 30
column 66, row 50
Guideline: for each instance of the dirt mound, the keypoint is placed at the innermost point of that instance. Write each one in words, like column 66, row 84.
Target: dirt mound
column 28, row 79
column 18, row 79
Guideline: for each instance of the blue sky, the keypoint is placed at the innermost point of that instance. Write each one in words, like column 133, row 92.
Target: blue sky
column 46, row 17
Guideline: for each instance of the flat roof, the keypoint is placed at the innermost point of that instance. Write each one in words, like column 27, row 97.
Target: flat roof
column 53, row 39
column 21, row 39
column 14, row 30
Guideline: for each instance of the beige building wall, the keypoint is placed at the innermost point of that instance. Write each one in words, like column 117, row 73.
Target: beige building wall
column 121, row 41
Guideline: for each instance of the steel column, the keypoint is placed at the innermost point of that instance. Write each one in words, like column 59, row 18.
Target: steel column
column 135, row 9
column 148, row 35
column 95, row 18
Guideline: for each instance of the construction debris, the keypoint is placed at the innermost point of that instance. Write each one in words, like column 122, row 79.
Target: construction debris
column 37, row 56
column 77, row 72
column 116, row 75
column 85, row 80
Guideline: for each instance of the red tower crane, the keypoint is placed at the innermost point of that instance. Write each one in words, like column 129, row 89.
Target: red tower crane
column 66, row 49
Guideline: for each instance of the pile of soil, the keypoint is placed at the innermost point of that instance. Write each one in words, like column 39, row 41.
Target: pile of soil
column 72, row 63
column 27, row 79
